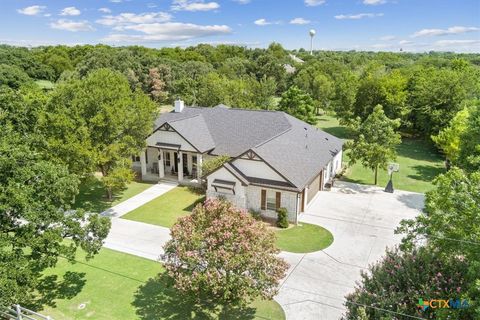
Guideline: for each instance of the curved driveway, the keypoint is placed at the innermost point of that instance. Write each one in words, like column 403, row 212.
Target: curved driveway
column 361, row 219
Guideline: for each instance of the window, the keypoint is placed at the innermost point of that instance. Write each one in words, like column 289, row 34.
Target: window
column 135, row 158
column 194, row 162
column 271, row 201
column 167, row 159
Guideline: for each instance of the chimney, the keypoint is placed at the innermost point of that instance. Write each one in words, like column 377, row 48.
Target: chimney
column 179, row 105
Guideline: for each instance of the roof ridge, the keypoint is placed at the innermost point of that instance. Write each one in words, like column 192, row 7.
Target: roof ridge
column 275, row 136
column 189, row 117
column 243, row 109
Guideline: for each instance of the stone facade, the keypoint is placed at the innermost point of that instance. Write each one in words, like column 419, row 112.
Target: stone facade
column 288, row 200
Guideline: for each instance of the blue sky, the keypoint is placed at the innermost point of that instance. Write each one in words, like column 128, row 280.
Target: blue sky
column 413, row 25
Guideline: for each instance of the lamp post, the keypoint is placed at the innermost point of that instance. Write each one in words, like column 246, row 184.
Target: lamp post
column 312, row 33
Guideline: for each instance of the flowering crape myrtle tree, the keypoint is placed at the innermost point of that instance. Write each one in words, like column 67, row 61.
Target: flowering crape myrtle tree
column 222, row 256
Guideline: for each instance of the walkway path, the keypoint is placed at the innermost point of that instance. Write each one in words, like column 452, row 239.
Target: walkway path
column 140, row 199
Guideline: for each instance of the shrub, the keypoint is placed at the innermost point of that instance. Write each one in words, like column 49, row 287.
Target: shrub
column 282, row 218
column 397, row 282
column 213, row 164
column 220, row 255
column 255, row 214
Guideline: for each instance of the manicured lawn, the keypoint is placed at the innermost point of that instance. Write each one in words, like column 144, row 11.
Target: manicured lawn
column 303, row 238
column 92, row 195
column 419, row 162
column 119, row 286
column 167, row 208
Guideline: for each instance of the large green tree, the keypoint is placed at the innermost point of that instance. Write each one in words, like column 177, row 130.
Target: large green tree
column 449, row 138
column 35, row 217
column 450, row 225
column 299, row 104
column 97, row 123
column 469, row 156
column 374, row 141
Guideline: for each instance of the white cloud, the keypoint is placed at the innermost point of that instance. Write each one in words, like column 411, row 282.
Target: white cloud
column 357, row 16
column 70, row 11
column 168, row 31
column 299, row 21
column 193, row 5
column 444, row 43
column 242, row 1
column 122, row 20
column 105, row 10
column 443, row 32
column 373, row 2
column 264, row 22
column 32, row 10
column 69, row 25
column 116, row 1
column 405, row 42
column 387, row 38
column 314, row 3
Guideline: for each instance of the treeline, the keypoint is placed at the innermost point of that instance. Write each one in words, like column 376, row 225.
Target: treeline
column 424, row 91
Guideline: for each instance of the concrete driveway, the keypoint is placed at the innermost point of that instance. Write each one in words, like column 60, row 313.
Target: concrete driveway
column 362, row 220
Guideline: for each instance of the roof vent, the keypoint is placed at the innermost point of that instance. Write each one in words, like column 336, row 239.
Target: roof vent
column 179, row 105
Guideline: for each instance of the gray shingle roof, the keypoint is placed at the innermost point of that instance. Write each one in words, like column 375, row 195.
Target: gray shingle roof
column 297, row 150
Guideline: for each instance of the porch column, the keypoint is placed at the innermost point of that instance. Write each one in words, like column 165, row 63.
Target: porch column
column 180, row 165
column 199, row 166
column 143, row 163
column 305, row 199
column 161, row 166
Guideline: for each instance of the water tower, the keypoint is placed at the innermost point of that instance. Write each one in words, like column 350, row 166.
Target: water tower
column 312, row 33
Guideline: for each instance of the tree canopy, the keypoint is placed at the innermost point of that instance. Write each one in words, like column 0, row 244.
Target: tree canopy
column 374, row 141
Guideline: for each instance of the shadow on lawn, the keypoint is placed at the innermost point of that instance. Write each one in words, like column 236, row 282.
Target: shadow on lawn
column 50, row 288
column 425, row 172
column 418, row 149
column 158, row 299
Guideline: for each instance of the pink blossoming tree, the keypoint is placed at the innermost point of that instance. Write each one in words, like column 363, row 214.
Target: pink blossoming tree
column 221, row 255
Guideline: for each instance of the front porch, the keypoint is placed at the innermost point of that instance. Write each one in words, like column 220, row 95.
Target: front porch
column 171, row 164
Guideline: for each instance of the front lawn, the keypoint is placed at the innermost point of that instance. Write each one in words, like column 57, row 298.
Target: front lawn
column 92, row 196
column 419, row 162
column 303, row 238
column 166, row 209
column 116, row 285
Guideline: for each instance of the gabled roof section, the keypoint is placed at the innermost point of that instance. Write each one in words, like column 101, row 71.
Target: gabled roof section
column 295, row 149
column 300, row 153
column 195, row 131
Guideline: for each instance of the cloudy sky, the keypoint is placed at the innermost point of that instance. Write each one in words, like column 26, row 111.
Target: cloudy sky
column 380, row 25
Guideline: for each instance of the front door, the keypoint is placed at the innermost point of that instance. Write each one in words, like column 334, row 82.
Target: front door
column 175, row 159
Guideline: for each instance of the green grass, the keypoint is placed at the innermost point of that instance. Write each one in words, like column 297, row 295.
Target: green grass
column 303, row 238
column 419, row 162
column 166, row 209
column 120, row 286
column 45, row 84
column 92, row 196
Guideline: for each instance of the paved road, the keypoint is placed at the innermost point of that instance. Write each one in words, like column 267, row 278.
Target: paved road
column 362, row 220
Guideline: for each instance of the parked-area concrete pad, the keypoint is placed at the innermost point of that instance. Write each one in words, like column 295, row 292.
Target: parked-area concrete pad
column 362, row 220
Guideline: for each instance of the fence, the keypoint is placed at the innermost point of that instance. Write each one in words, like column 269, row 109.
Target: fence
column 18, row 312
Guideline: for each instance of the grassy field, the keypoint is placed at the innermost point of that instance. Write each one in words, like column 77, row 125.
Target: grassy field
column 303, row 238
column 419, row 162
column 167, row 208
column 92, row 195
column 119, row 286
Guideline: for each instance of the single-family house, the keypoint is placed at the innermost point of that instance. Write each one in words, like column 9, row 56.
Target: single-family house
column 275, row 161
